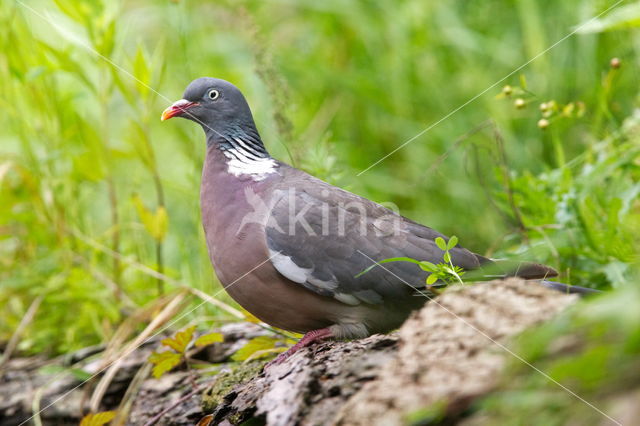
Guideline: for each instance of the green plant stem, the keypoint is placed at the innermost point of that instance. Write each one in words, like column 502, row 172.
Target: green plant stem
column 453, row 272
column 160, row 201
column 159, row 243
column 558, row 149
column 504, row 167
column 115, row 238
column 103, row 97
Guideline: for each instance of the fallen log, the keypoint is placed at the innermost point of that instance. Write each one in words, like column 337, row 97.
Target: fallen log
column 449, row 353
column 443, row 358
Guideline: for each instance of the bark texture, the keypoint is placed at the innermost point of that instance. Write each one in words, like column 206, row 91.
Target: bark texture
column 445, row 355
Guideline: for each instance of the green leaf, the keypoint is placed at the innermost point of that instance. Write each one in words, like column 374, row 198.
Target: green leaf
column 622, row 17
column 453, row 241
column 441, row 244
column 89, row 166
column 98, row 419
column 156, row 223
column 449, row 271
column 120, row 84
column 207, row 339
column 567, row 110
column 163, row 362
column 523, row 82
column 80, row 374
column 180, row 341
column 432, row 279
column 446, row 257
column 254, row 345
column 615, row 272
column 73, row 10
column 161, row 222
column 106, row 40
column 64, row 61
column 142, row 72
column 428, row 266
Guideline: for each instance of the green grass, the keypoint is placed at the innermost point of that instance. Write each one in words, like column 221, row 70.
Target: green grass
column 84, row 159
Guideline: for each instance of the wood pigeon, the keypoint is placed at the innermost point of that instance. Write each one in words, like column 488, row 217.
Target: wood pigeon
column 289, row 247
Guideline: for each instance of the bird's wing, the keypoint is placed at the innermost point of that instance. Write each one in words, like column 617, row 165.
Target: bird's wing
column 322, row 237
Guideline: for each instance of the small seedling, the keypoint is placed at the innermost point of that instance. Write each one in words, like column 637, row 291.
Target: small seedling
column 445, row 272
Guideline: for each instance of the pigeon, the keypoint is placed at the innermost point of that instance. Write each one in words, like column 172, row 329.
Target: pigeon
column 292, row 249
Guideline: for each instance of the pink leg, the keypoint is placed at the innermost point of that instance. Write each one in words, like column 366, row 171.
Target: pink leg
column 307, row 340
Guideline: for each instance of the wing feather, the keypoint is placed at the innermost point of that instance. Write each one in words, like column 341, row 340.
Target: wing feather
column 326, row 236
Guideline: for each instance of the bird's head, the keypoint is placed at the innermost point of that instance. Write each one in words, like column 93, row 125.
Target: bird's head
column 217, row 105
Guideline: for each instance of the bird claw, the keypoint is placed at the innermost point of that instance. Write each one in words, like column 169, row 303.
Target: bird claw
column 277, row 360
column 307, row 340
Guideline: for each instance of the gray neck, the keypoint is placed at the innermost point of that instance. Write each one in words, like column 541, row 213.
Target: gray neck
column 245, row 140
column 244, row 152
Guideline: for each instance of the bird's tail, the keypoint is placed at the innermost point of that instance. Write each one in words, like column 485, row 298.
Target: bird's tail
column 501, row 268
column 570, row 289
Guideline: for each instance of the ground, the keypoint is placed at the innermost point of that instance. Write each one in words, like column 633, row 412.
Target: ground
column 431, row 370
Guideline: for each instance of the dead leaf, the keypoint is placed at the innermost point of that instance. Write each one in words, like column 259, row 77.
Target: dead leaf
column 206, row 420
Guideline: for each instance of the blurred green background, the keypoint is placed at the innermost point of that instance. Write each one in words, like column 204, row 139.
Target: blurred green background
column 96, row 193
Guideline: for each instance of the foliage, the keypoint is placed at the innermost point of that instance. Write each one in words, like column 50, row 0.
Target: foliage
column 92, row 186
column 166, row 361
column 260, row 347
column 98, row 419
column 592, row 350
column 163, row 362
column 585, row 214
column 626, row 16
column 444, row 272
column 208, row 339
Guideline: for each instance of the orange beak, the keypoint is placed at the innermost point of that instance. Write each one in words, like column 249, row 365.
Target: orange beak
column 177, row 109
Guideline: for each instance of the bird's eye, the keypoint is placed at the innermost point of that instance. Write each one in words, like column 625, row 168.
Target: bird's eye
column 213, row 94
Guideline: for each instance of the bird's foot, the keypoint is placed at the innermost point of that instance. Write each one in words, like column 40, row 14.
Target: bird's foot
column 308, row 339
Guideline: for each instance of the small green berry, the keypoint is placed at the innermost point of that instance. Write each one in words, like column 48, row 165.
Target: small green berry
column 519, row 103
column 543, row 123
column 507, row 90
column 544, row 107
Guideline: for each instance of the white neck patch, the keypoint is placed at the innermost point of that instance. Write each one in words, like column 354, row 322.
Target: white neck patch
column 241, row 163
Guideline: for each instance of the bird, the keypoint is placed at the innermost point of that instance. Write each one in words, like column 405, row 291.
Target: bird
column 290, row 248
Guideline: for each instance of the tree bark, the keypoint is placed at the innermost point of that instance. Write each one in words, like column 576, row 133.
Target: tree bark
column 447, row 354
